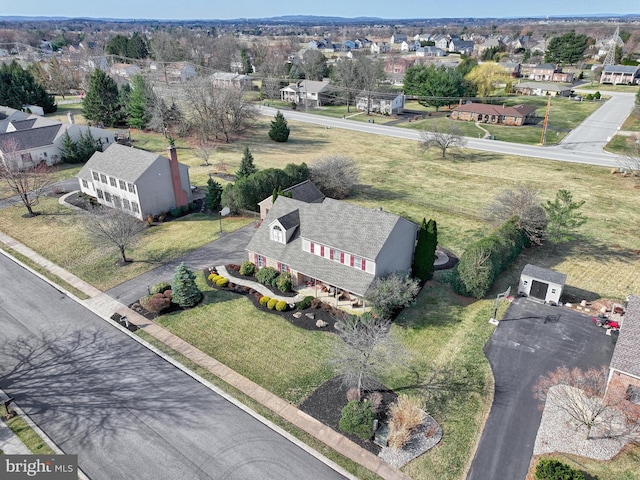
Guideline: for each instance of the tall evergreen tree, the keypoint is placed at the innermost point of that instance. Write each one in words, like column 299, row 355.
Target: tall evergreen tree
column 137, row 104
column 246, row 165
column 185, row 292
column 214, row 195
column 102, row 100
column 18, row 87
column 425, row 254
column 279, row 131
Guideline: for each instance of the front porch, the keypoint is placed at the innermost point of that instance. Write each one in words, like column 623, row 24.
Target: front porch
column 332, row 295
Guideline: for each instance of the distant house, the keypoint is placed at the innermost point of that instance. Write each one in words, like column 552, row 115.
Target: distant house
column 309, row 92
column 310, row 241
column 620, row 74
column 461, row 46
column 430, row 52
column 231, row 80
column 181, row 72
column 491, row 42
column 548, row 72
column 514, row 69
column 542, row 89
column 304, row 192
column 624, row 369
column 39, row 139
column 397, row 64
column 398, row 38
column 138, row 182
column 380, row 47
column 382, row 103
column 442, row 41
column 125, row 70
column 498, row 114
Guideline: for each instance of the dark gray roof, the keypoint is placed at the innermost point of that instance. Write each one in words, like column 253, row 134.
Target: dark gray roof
column 305, row 192
column 290, row 220
column 126, row 163
column 544, row 274
column 23, row 124
column 626, row 356
column 32, row 138
column 620, row 69
column 353, row 229
column 546, row 66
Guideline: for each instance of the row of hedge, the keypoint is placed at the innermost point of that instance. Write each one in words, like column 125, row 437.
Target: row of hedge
column 481, row 263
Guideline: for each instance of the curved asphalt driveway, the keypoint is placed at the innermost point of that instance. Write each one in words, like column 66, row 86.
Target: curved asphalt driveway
column 125, row 411
column 525, row 345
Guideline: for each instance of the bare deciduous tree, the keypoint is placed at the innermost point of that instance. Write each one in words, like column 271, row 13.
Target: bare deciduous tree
column 524, row 203
column 367, row 350
column 218, row 112
column 630, row 161
column 114, row 228
column 335, row 175
column 442, row 137
column 205, row 150
column 27, row 181
column 580, row 394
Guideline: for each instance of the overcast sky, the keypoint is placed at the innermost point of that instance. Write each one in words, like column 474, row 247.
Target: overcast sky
column 226, row 9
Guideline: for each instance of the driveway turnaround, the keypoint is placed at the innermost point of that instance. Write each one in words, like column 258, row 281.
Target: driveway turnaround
column 124, row 410
column 530, row 341
column 226, row 249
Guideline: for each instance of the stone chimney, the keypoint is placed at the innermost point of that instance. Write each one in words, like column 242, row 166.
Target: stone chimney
column 179, row 194
column 72, row 121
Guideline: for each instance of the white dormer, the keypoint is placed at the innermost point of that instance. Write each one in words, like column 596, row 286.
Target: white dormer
column 281, row 229
column 277, row 233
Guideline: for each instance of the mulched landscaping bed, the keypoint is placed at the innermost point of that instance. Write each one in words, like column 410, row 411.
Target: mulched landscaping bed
column 324, row 312
column 326, row 402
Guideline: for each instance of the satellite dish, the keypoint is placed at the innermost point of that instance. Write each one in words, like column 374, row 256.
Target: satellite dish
column 225, row 211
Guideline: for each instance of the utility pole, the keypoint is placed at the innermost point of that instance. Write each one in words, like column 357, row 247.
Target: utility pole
column 546, row 122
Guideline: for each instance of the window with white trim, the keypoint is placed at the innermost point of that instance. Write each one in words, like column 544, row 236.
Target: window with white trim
column 357, row 263
column 277, row 234
column 112, row 181
column 132, row 187
column 262, row 261
column 337, row 255
column 96, row 177
column 85, row 184
column 116, row 202
column 125, row 204
column 99, row 193
column 283, row 268
column 103, row 178
column 107, row 196
column 123, row 185
column 134, row 207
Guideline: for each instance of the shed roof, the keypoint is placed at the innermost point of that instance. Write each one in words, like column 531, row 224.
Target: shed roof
column 544, row 274
column 626, row 356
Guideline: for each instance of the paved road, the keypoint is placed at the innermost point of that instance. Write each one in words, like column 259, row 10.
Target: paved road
column 590, row 155
column 125, row 411
column 227, row 249
column 522, row 348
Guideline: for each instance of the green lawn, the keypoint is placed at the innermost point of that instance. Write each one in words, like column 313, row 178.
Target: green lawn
column 32, row 441
column 73, row 249
column 623, row 466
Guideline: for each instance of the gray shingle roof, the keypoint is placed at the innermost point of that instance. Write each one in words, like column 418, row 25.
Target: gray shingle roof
column 126, row 163
column 350, row 228
column 290, row 220
column 551, row 87
column 305, row 192
column 32, row 138
column 23, row 124
column 620, row 69
column 626, row 356
column 544, row 274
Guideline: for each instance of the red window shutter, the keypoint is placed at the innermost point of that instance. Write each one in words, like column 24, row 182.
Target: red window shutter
column 255, row 258
column 311, row 243
column 341, row 257
column 364, row 264
column 279, row 267
column 352, row 260
column 322, row 250
column 331, row 253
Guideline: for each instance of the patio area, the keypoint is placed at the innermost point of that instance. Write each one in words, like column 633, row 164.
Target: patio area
column 333, row 296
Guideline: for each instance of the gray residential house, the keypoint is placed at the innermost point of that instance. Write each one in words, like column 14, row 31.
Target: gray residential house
column 542, row 89
column 380, row 102
column 139, row 182
column 38, row 139
column 333, row 243
column 309, row 92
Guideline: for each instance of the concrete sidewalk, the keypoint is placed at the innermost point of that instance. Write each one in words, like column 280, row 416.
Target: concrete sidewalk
column 105, row 306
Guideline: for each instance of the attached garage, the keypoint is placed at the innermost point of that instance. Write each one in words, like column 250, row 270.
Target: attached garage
column 541, row 283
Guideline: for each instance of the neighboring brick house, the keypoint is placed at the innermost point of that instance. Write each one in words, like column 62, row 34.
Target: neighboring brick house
column 480, row 112
column 542, row 89
column 304, row 192
column 396, row 64
column 139, row 182
column 313, row 93
column 624, row 369
column 548, row 72
column 514, row 69
column 39, row 139
column 378, row 102
column 620, row 74
column 334, row 243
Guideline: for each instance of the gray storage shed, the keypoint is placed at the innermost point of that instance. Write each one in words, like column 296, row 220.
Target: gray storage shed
column 541, row 283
